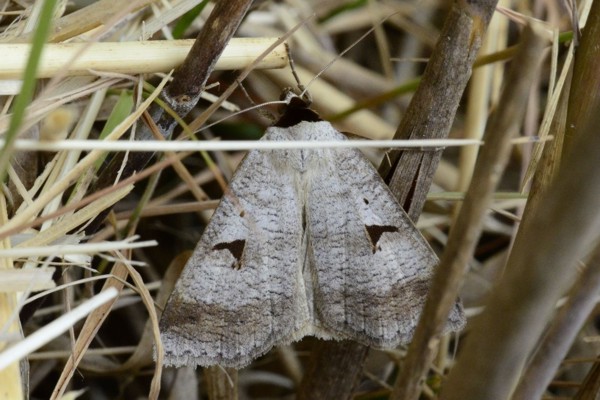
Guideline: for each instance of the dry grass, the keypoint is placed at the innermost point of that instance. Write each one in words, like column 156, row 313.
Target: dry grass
column 98, row 80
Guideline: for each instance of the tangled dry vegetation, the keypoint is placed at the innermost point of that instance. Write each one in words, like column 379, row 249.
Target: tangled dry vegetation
column 86, row 265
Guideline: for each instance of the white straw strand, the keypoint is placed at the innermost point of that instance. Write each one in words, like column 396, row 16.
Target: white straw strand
column 160, row 145
column 63, row 249
column 55, row 328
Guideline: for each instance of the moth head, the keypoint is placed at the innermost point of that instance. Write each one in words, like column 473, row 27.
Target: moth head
column 296, row 109
column 300, row 97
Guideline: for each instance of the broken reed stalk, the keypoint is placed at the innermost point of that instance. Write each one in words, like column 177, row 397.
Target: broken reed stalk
column 430, row 115
column 131, row 57
column 448, row 277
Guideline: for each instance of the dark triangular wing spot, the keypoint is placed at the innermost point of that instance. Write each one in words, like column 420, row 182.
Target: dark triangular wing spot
column 375, row 232
column 236, row 248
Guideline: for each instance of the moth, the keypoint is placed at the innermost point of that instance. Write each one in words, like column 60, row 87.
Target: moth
column 304, row 242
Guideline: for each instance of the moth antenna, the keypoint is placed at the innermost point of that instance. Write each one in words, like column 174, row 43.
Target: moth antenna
column 246, row 94
column 265, row 113
column 345, row 51
column 245, row 110
column 304, row 94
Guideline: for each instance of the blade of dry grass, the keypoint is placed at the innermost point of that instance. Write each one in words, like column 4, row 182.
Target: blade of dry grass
column 21, row 280
column 76, row 219
column 143, row 351
column 153, row 323
column 168, row 147
column 83, row 248
column 89, row 330
column 88, row 18
column 53, row 329
column 169, row 209
column 481, row 90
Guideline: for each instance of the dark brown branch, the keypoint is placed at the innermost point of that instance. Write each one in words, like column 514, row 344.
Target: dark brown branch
column 433, row 106
column 183, row 92
column 189, row 78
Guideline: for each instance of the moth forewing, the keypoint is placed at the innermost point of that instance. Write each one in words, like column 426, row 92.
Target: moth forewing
column 218, row 314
